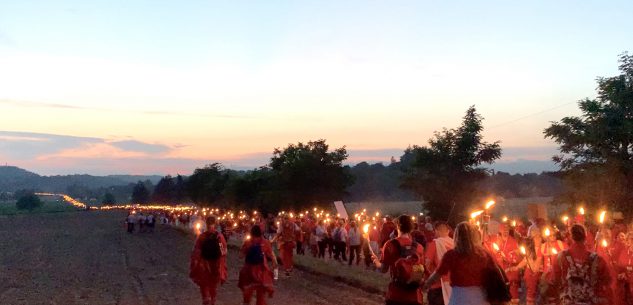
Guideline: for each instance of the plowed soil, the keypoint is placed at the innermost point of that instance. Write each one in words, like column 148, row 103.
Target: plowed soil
column 88, row 258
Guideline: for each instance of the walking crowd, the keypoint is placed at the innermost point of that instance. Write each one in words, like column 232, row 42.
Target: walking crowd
column 570, row 263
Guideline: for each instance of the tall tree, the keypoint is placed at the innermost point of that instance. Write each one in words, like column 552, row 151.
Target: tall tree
column 206, row 185
column 108, row 199
column 310, row 173
column 597, row 146
column 140, row 194
column 180, row 190
column 445, row 173
column 165, row 190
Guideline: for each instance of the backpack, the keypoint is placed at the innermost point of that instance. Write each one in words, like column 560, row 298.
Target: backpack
column 255, row 254
column 407, row 272
column 288, row 232
column 210, row 249
column 580, row 281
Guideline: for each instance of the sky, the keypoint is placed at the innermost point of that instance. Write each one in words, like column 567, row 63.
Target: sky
column 163, row 87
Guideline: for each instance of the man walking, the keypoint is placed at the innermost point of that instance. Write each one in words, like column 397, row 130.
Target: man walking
column 208, row 262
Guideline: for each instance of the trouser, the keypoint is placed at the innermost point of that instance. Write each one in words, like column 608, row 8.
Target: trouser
column 130, row 227
column 354, row 252
column 322, row 244
column 209, row 292
column 286, row 255
column 515, row 283
column 435, row 296
column 551, row 295
column 367, row 255
column 339, row 250
column 300, row 249
column 260, row 295
column 531, row 286
column 388, row 302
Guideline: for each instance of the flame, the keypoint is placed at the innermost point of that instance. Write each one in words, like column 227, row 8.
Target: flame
column 248, row 237
column 198, row 226
column 554, row 251
column 413, row 218
column 602, row 215
column 495, row 246
column 547, row 232
column 565, row 218
column 489, row 204
column 523, row 251
column 366, row 228
column 581, row 210
column 514, row 223
column 604, row 243
column 504, row 219
column 474, row 215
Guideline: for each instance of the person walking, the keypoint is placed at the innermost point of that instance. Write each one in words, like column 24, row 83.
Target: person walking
column 339, row 237
column 208, row 262
column 398, row 252
column 582, row 275
column 321, row 237
column 130, row 220
column 286, row 241
column 256, row 277
column 354, row 241
column 439, row 293
column 466, row 266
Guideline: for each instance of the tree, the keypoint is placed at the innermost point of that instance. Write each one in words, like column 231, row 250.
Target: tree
column 206, row 185
column 165, row 190
column 140, row 194
column 108, row 199
column 310, row 173
column 445, row 173
column 597, row 146
column 180, row 190
column 4, row 196
column 28, row 202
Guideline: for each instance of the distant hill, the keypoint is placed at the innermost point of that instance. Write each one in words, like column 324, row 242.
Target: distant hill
column 14, row 178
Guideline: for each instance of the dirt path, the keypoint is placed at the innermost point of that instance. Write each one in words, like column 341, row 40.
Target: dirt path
column 88, row 258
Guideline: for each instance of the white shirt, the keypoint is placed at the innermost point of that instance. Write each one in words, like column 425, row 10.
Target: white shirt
column 354, row 237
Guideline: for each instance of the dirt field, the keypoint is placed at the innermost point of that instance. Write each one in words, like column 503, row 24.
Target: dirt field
column 87, row 258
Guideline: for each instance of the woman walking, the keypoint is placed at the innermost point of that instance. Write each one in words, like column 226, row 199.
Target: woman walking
column 256, row 277
column 466, row 265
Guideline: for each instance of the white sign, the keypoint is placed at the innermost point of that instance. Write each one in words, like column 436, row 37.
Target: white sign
column 340, row 209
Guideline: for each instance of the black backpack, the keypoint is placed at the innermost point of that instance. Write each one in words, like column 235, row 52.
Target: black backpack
column 210, row 249
column 255, row 255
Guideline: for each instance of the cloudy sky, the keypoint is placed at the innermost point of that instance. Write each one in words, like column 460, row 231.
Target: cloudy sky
column 162, row 87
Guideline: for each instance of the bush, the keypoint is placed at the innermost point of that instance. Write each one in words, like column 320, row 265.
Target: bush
column 29, row 202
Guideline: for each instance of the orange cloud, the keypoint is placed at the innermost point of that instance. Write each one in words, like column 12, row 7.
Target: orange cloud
column 94, row 150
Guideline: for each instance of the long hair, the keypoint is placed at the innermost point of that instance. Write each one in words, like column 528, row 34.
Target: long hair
column 467, row 239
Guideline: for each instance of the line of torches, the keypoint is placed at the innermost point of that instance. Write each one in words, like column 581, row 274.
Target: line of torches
column 546, row 232
column 478, row 217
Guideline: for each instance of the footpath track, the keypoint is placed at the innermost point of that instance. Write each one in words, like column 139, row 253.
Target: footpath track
column 88, row 258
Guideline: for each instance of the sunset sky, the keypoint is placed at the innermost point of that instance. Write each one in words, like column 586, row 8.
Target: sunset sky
column 157, row 87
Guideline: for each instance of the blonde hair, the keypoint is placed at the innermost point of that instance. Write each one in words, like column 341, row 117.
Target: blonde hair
column 467, row 239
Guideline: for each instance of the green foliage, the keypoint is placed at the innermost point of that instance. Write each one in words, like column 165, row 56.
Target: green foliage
column 165, row 190
column 377, row 182
column 108, row 199
column 596, row 147
column 446, row 173
column 140, row 193
column 206, row 186
column 309, row 174
column 28, row 202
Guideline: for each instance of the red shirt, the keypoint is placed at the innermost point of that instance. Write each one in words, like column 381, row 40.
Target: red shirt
column 464, row 271
column 579, row 253
column 386, row 230
column 202, row 271
column 390, row 254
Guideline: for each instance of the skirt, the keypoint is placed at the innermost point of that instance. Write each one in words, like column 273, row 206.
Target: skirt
column 473, row 295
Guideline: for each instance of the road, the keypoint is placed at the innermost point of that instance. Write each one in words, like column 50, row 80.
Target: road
column 88, row 258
